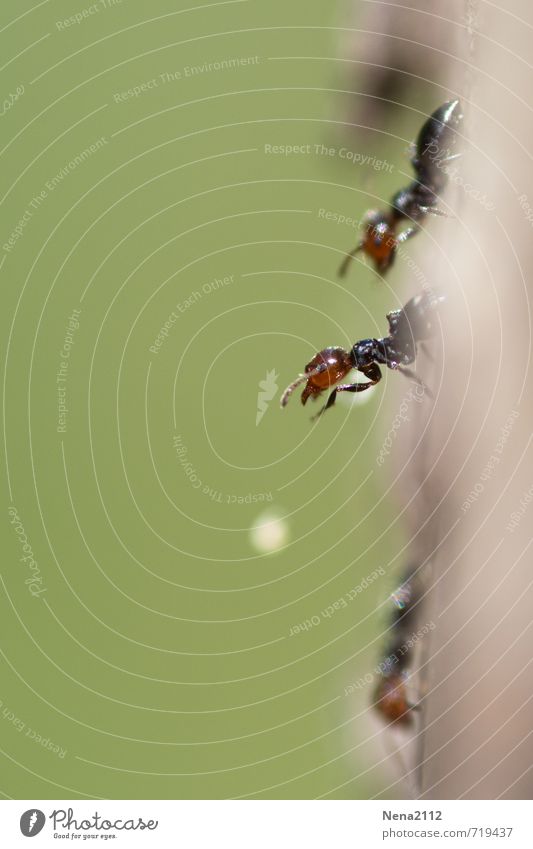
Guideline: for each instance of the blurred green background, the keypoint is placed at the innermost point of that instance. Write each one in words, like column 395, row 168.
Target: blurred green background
column 158, row 655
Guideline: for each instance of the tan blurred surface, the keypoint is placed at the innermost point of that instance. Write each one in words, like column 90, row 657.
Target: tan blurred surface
column 466, row 462
column 398, row 53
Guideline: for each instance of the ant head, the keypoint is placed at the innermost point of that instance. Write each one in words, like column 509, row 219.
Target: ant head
column 324, row 370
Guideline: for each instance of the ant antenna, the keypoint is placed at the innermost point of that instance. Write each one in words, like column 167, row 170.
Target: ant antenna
column 345, row 264
column 302, row 378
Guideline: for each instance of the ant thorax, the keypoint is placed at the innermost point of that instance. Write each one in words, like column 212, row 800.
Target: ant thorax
column 364, row 353
column 413, row 202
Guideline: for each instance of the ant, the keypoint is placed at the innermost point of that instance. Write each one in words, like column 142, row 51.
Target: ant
column 408, row 327
column 380, row 241
column 390, row 695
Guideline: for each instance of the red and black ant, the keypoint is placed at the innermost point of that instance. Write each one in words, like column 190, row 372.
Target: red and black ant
column 433, row 148
column 408, row 328
column 390, row 695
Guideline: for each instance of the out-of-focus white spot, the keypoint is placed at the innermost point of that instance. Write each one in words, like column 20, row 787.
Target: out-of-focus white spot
column 270, row 532
column 358, row 398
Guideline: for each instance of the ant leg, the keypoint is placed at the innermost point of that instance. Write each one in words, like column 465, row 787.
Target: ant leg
column 373, row 372
column 407, row 234
column 345, row 387
column 434, row 210
column 452, row 157
column 414, row 377
column 348, row 259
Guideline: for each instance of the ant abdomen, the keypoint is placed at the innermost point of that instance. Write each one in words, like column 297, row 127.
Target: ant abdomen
column 435, row 143
column 390, row 700
column 325, row 370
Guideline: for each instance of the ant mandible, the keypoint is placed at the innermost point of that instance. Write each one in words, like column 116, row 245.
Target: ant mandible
column 433, row 147
column 408, row 327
